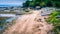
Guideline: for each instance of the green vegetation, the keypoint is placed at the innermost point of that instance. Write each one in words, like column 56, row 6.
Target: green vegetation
column 55, row 20
column 42, row 3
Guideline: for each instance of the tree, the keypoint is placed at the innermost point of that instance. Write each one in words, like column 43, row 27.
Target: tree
column 42, row 3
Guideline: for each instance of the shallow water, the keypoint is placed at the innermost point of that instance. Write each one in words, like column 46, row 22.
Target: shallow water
column 7, row 15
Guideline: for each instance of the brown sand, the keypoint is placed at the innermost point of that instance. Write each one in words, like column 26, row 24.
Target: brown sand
column 29, row 24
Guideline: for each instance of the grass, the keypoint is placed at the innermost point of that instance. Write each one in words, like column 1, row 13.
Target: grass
column 55, row 21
